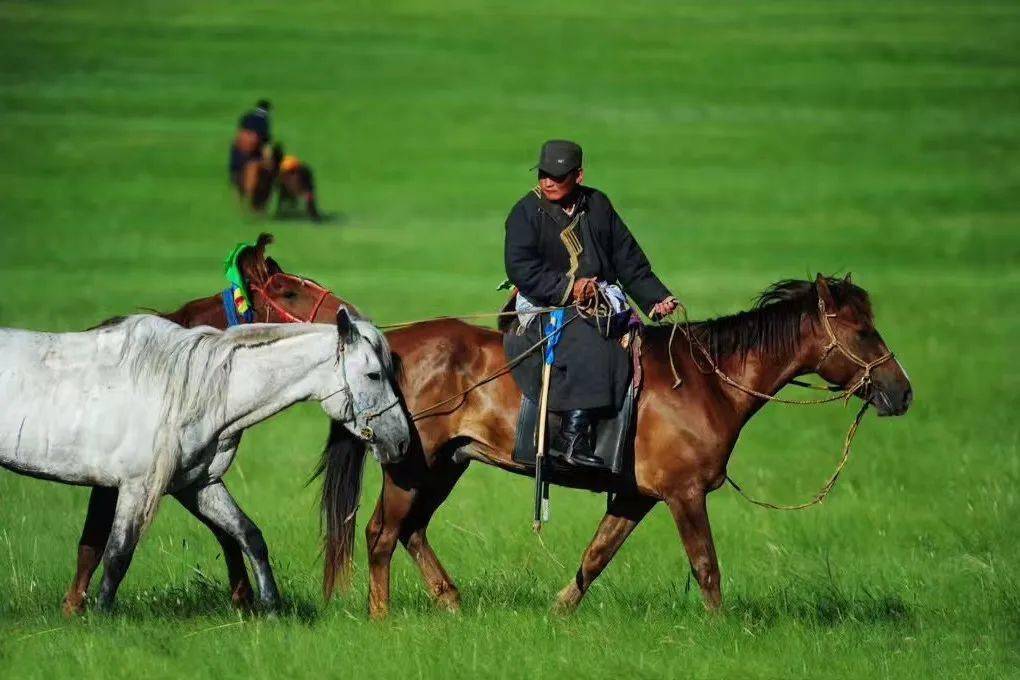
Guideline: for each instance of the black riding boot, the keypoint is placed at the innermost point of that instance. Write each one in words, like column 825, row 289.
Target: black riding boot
column 574, row 439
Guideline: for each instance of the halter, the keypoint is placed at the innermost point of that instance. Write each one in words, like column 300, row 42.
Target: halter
column 365, row 433
column 834, row 343
column 284, row 315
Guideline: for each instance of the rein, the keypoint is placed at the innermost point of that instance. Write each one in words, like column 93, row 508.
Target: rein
column 834, row 343
column 480, row 315
column 501, row 371
column 842, row 393
column 283, row 313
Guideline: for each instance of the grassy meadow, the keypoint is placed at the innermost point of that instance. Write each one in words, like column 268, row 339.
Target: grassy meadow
column 743, row 143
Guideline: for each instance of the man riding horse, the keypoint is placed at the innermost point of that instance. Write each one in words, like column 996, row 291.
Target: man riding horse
column 251, row 136
column 565, row 244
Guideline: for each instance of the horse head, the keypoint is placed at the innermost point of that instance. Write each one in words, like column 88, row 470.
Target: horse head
column 854, row 355
column 286, row 298
column 364, row 400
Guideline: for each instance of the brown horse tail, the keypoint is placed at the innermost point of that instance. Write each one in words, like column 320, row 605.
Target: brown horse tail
column 341, row 467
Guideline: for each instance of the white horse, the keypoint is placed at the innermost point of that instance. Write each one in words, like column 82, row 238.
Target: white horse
column 150, row 408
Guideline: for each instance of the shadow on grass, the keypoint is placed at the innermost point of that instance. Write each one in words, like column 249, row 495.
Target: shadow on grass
column 817, row 602
column 202, row 597
column 828, row 607
column 326, row 219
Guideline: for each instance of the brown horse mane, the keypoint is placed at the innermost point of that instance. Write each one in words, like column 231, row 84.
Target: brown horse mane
column 773, row 324
column 254, row 265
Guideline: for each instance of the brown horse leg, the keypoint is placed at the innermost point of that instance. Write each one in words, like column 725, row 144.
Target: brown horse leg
column 381, row 534
column 95, row 533
column 241, row 593
column 623, row 514
column 414, row 539
column 691, row 515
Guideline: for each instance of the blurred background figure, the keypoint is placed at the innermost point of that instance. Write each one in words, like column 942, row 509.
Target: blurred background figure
column 273, row 169
column 251, row 136
column 295, row 183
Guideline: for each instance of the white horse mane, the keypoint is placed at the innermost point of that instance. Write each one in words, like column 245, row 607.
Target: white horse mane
column 193, row 366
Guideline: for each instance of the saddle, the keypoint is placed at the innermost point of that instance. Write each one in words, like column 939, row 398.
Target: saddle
column 614, row 436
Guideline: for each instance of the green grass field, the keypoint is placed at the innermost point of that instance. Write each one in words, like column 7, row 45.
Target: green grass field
column 743, row 142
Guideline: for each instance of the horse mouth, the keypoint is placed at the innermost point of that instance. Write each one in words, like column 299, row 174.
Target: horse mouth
column 877, row 398
column 886, row 405
column 882, row 403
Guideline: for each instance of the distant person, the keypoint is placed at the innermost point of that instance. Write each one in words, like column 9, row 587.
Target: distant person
column 258, row 179
column 251, row 136
column 294, row 182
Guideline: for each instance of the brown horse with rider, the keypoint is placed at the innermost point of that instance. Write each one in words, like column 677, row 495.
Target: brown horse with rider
column 684, row 437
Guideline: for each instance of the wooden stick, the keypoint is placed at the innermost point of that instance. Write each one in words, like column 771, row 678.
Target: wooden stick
column 541, row 486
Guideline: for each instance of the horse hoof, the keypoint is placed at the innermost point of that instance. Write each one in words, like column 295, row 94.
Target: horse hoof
column 563, row 608
column 567, row 601
column 450, row 601
column 243, row 601
column 71, row 608
column 270, row 610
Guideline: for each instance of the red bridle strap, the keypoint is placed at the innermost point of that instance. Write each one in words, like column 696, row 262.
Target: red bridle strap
column 285, row 316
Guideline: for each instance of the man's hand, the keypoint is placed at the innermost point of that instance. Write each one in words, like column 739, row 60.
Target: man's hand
column 664, row 308
column 584, row 290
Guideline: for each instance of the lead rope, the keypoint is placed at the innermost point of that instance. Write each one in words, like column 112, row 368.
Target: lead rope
column 827, row 487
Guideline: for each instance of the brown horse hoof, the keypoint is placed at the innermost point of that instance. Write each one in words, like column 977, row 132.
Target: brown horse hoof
column 567, row 601
column 449, row 600
column 73, row 607
column 378, row 614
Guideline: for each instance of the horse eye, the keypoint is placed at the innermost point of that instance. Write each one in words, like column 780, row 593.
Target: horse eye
column 290, row 295
column 374, row 376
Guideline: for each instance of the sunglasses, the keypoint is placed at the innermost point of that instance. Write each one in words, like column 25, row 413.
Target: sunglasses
column 559, row 179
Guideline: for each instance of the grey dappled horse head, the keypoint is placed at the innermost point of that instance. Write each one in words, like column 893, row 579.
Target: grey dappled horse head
column 365, row 402
column 147, row 407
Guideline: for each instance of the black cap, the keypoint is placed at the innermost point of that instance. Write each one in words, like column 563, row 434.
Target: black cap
column 558, row 157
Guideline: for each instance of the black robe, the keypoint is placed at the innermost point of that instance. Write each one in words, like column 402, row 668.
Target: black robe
column 590, row 370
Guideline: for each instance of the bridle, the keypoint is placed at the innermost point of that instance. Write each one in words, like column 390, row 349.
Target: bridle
column 285, row 316
column 365, row 433
column 834, row 344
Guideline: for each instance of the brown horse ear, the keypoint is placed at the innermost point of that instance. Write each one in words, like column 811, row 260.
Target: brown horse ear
column 846, row 279
column 261, row 242
column 824, row 294
column 273, row 267
column 252, row 261
column 345, row 326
